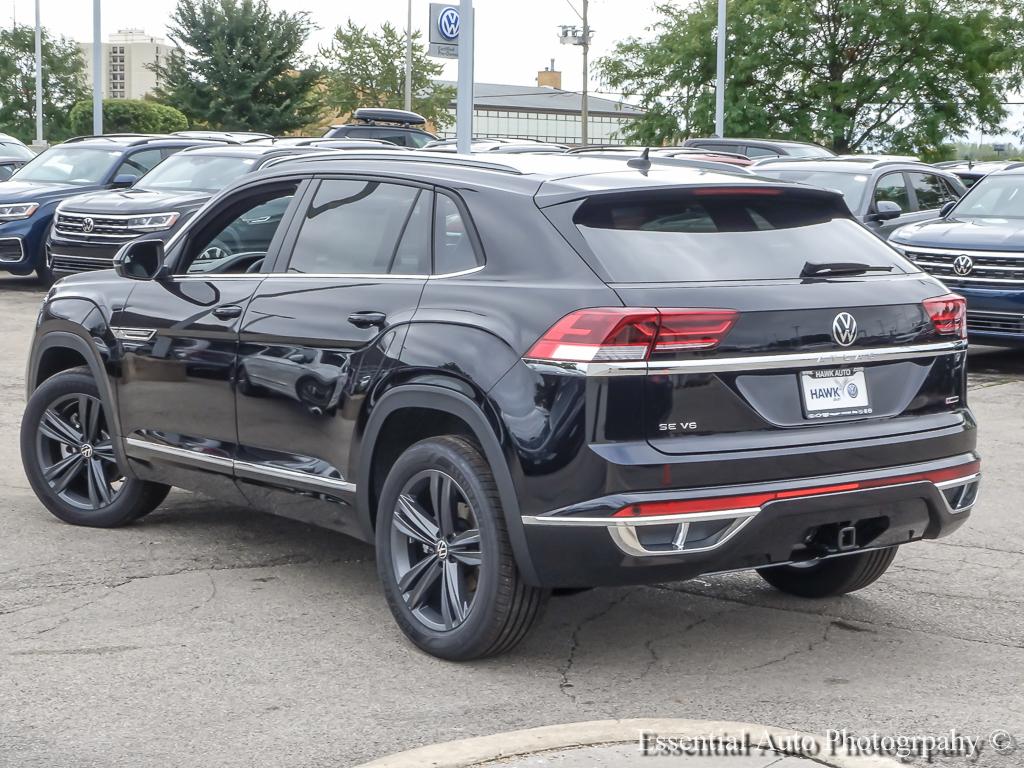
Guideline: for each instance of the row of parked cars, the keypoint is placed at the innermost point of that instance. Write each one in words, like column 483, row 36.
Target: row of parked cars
column 72, row 207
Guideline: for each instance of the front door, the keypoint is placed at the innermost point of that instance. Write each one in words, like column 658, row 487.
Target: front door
column 321, row 332
column 178, row 339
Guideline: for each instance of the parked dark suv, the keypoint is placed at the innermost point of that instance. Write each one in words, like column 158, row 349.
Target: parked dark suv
column 29, row 199
column 883, row 193
column 977, row 248
column 395, row 126
column 544, row 372
column 89, row 229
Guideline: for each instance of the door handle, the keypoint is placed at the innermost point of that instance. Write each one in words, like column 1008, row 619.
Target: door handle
column 227, row 312
column 368, row 319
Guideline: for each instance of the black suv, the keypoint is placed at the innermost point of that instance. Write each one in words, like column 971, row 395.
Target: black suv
column 544, row 372
column 395, row 126
column 89, row 229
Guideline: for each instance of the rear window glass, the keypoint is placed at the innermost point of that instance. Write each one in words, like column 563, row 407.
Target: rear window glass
column 685, row 237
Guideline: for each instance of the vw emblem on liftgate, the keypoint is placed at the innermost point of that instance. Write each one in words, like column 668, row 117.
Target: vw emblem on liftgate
column 88, row 224
column 844, row 329
column 963, row 265
column 448, row 23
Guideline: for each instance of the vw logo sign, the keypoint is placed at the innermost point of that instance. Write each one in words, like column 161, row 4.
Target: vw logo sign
column 851, row 389
column 448, row 23
column 963, row 265
column 844, row 329
column 88, row 224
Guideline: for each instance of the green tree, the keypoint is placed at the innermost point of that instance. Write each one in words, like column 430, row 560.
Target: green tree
column 368, row 70
column 855, row 75
column 129, row 116
column 241, row 67
column 63, row 83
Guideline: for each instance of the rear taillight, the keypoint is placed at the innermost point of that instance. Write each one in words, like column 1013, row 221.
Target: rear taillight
column 610, row 334
column 948, row 314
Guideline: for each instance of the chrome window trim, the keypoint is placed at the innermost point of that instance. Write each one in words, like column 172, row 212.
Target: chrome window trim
column 233, row 465
column 754, row 362
column 322, row 275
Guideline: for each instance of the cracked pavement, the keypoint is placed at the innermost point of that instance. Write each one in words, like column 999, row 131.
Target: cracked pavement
column 211, row 635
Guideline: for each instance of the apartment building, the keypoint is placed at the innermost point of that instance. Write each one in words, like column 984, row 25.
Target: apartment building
column 126, row 64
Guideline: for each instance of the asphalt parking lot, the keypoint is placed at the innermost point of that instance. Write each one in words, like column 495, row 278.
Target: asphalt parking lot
column 212, row 635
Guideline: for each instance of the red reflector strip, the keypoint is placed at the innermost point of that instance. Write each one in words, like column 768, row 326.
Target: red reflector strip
column 758, row 500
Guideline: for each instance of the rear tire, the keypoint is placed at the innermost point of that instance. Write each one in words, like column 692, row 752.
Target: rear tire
column 68, row 454
column 444, row 557
column 832, row 576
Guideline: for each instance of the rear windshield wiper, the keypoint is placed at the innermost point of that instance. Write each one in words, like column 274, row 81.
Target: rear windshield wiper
column 830, row 268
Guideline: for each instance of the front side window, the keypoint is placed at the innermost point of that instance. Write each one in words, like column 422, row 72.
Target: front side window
column 893, row 187
column 70, row 165
column 930, row 190
column 850, row 185
column 360, row 228
column 239, row 238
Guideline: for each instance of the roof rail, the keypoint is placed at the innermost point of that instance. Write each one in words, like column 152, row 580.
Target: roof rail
column 419, row 156
column 107, row 136
column 1013, row 166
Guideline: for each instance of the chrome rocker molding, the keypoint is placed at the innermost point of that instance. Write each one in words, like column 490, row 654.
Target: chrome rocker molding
column 623, row 530
column 753, row 362
column 242, row 469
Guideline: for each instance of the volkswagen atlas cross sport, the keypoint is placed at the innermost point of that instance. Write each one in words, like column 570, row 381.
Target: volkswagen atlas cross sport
column 977, row 248
column 544, row 372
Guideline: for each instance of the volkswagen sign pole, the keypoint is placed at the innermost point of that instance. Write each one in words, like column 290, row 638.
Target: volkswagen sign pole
column 464, row 100
column 97, row 71
column 720, row 74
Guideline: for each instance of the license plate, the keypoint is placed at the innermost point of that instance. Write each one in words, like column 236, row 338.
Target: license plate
column 834, row 392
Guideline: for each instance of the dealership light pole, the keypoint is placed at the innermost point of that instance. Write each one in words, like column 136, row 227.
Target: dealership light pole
column 39, row 77
column 408, row 60
column 720, row 73
column 464, row 98
column 97, row 73
column 573, row 35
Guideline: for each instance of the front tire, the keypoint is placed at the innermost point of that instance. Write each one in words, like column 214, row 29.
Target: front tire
column 832, row 576
column 444, row 557
column 67, row 451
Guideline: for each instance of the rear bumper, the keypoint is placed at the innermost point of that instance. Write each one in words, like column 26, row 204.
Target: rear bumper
column 779, row 522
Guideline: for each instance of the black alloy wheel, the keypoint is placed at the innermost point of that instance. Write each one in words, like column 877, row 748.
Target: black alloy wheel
column 444, row 556
column 67, row 449
column 435, row 545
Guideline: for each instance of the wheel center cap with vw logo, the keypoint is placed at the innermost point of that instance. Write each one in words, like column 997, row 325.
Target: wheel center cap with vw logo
column 88, row 224
column 87, row 451
column 442, row 550
column 963, row 265
column 448, row 23
column 844, row 329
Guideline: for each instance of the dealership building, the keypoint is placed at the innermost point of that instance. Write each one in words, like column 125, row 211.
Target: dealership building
column 543, row 112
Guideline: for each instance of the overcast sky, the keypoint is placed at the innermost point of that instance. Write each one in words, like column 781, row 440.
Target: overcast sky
column 514, row 38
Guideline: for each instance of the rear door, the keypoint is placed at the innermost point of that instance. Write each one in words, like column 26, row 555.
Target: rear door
column 931, row 192
column 782, row 359
column 321, row 330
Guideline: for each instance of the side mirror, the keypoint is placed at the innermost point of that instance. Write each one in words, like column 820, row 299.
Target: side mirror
column 141, row 260
column 885, row 210
column 945, row 210
column 123, row 180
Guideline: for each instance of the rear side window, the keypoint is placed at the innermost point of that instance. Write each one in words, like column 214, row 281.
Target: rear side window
column 760, row 152
column 453, row 247
column 692, row 237
column 364, row 228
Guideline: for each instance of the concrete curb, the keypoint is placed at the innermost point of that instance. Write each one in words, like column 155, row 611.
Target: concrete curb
column 466, row 753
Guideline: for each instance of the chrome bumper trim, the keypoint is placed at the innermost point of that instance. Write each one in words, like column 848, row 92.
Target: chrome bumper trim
column 753, row 362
